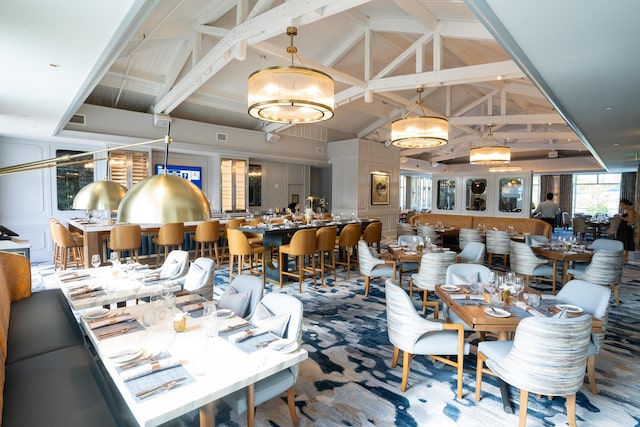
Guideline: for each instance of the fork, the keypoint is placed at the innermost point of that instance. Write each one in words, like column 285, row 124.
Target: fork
column 266, row 343
column 162, row 387
column 112, row 333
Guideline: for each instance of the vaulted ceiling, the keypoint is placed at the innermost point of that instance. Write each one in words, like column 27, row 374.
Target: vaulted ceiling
column 191, row 59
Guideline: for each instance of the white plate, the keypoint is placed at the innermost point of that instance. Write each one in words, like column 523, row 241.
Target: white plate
column 126, row 355
column 411, row 253
column 497, row 312
column 569, row 308
column 224, row 313
column 96, row 313
column 394, row 246
column 450, row 288
column 284, row 346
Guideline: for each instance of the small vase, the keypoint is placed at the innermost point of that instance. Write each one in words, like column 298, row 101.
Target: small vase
column 308, row 214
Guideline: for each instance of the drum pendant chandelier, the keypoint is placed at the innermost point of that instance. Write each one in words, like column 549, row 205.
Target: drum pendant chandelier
column 490, row 155
column 421, row 131
column 290, row 94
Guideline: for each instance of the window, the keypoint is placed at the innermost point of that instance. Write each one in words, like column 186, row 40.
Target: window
column 446, row 194
column 233, row 179
column 71, row 178
column 415, row 192
column 596, row 193
column 128, row 167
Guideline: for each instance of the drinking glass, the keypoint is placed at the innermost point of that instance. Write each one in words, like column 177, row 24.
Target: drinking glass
column 518, row 286
column 210, row 316
column 510, row 278
column 95, row 260
column 113, row 257
column 492, row 278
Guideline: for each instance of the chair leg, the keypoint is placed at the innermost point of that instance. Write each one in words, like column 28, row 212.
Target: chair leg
column 396, row 355
column 479, row 366
column 524, row 403
column 616, row 294
column 591, row 374
column 571, row 409
column 291, row 401
column 406, row 364
column 367, row 281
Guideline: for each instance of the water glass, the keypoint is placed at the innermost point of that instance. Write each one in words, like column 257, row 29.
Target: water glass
column 95, row 260
column 210, row 318
column 149, row 316
column 533, row 299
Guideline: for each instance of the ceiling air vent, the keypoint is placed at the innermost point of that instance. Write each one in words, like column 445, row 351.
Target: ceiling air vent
column 78, row 119
column 221, row 137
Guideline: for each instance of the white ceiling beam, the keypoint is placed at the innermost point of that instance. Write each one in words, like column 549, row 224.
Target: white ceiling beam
column 471, row 105
column 214, row 11
column 211, row 31
column 464, row 30
column 382, row 122
column 180, row 57
column 338, row 52
column 452, row 76
column 522, row 119
column 255, row 30
column 396, row 25
column 415, row 9
column 404, row 56
column 260, row 7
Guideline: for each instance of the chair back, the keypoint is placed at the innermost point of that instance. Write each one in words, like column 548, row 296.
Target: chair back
column 605, row 268
column 326, row 238
column 366, row 259
column 171, row 234
column 592, row 298
column 125, row 237
column 535, row 240
column 303, row 242
column 234, row 223
column 62, row 236
column 427, row 232
column 433, row 268
column 402, row 317
column 473, row 253
column 200, row 277
column 607, row 245
column 238, row 242
column 280, row 303
column 350, row 235
column 549, row 355
column 498, row 242
column 175, row 265
column 411, row 239
column 404, row 229
column 468, row 235
column 373, row 233
column 612, row 230
column 579, row 225
column 480, row 273
column 252, row 284
column 523, row 260
column 207, row 231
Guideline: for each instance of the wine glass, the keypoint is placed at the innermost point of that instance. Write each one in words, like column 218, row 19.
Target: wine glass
column 95, row 260
column 510, row 278
column 518, row 286
column 113, row 257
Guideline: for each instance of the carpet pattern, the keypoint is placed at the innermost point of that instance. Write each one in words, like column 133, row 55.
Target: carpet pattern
column 348, row 381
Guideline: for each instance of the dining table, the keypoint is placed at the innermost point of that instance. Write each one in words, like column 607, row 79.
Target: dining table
column 162, row 374
column 564, row 255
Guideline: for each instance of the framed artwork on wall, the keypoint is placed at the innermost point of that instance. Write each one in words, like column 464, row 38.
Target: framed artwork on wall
column 379, row 189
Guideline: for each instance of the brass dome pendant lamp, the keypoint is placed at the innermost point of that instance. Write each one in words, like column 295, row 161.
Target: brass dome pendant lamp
column 290, row 94
column 102, row 195
column 161, row 199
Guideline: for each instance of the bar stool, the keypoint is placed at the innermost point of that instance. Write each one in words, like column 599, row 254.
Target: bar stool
column 126, row 238
column 208, row 232
column 67, row 247
column 373, row 234
column 232, row 224
column 303, row 244
column 325, row 244
column 347, row 242
column 239, row 248
column 169, row 235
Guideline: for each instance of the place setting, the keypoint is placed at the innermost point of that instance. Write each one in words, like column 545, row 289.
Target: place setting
column 106, row 323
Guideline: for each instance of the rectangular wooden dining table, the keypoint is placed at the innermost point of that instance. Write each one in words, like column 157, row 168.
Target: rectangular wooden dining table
column 211, row 368
column 566, row 257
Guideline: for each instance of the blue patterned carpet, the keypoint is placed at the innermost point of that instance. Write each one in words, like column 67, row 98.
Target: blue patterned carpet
column 347, row 379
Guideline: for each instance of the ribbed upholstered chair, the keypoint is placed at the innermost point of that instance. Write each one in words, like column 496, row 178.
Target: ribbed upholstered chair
column 373, row 234
column 468, row 235
column 594, row 300
column 428, row 233
column 473, row 253
column 407, row 266
column 126, row 237
column 325, row 245
column 433, row 271
column 524, row 261
column 605, row 269
column 498, row 243
column 464, row 274
column 372, row 266
column 282, row 381
column 596, row 245
column 535, row 240
column 413, row 335
column 548, row 356
column 170, row 235
column 347, row 242
column 404, row 229
column 208, row 232
column 67, row 247
column 199, row 278
column 248, row 256
column 302, row 246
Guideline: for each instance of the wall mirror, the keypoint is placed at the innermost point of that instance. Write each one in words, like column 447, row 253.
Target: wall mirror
column 446, row 194
column 510, row 196
column 476, row 194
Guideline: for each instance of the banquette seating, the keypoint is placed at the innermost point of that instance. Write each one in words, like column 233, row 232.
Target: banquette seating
column 521, row 225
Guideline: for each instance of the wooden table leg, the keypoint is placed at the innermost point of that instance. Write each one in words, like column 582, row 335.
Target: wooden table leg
column 565, row 267
column 208, row 415
column 251, row 406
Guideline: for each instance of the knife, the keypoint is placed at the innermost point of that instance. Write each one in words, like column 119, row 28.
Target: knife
column 112, row 333
column 166, row 386
column 234, row 327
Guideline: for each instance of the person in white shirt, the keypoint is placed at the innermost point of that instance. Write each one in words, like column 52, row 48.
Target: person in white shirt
column 548, row 210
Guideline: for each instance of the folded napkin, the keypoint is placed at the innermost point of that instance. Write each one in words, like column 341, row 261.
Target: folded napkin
column 243, row 335
column 149, row 367
column 195, row 306
column 110, row 321
column 547, row 296
column 91, row 294
column 84, row 290
column 458, row 296
column 152, row 278
column 73, row 276
column 532, row 311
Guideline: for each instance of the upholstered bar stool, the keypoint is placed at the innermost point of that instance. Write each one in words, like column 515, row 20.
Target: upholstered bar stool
column 232, row 224
column 67, row 247
column 208, row 232
column 169, row 235
column 302, row 245
column 246, row 254
column 126, row 238
column 325, row 245
column 373, row 234
column 347, row 242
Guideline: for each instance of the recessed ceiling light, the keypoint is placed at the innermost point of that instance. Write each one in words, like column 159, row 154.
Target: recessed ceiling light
column 608, row 109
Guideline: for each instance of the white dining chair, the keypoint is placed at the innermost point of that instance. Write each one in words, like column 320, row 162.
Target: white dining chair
column 433, row 271
column 535, row 240
column 497, row 242
column 199, row 278
column 464, row 274
column 605, row 269
column 408, row 266
column 372, row 266
column 524, row 261
column 468, row 235
column 473, row 253
column 175, row 265
column 243, row 295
